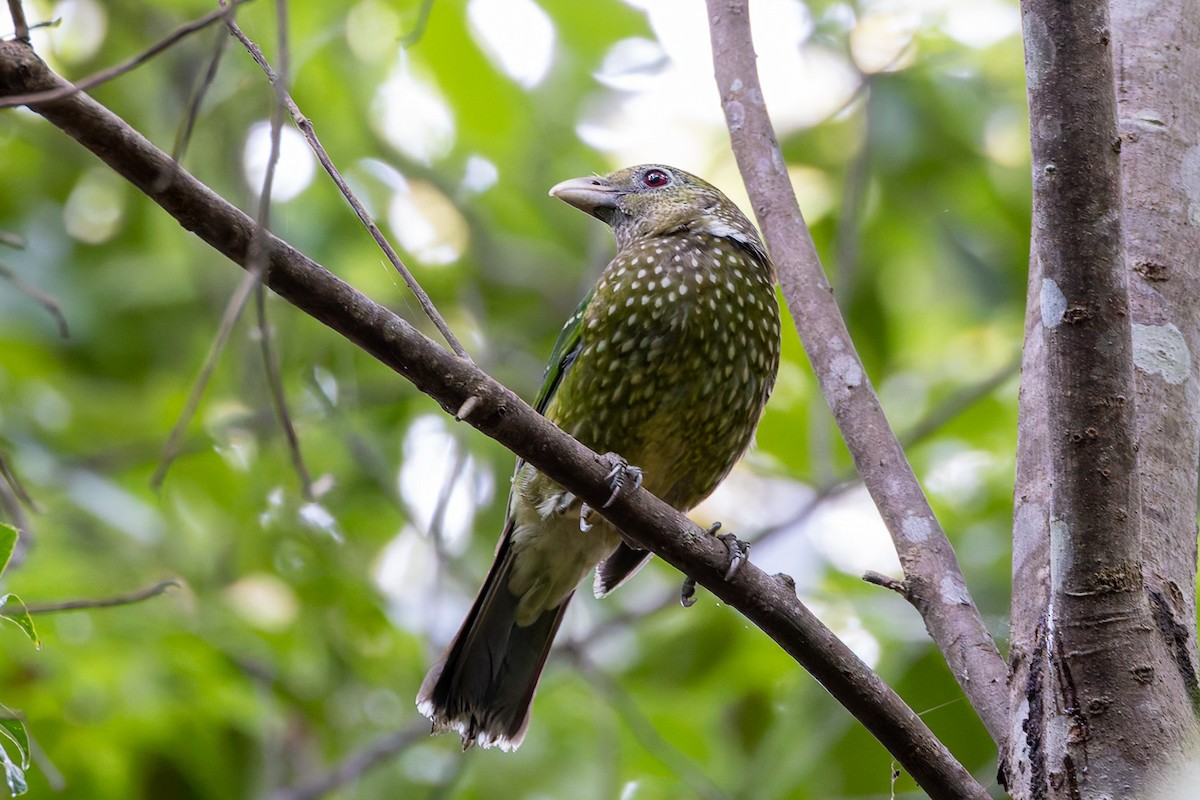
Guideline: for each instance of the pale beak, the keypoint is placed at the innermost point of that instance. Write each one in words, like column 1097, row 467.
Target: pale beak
column 594, row 196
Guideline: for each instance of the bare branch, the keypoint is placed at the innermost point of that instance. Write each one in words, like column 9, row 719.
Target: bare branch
column 930, row 566
column 184, row 133
column 107, row 602
column 233, row 310
column 887, row 582
column 270, row 361
column 357, row 764
column 652, row 741
column 306, row 127
column 38, row 296
column 13, row 240
column 768, row 601
column 20, row 26
column 106, row 75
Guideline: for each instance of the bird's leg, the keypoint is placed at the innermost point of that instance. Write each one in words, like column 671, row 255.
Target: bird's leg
column 619, row 477
column 739, row 553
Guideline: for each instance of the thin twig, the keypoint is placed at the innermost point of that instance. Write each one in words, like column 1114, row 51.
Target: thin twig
column 183, row 135
column 304, row 124
column 939, row 589
column 414, row 36
column 15, row 512
column 887, row 582
column 365, row 457
column 106, row 75
column 353, row 767
column 20, row 26
column 643, row 729
column 38, row 296
column 270, row 361
column 107, row 602
column 957, row 403
column 941, row 414
column 13, row 240
column 233, row 310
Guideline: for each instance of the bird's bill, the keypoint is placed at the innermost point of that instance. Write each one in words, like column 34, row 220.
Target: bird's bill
column 591, row 195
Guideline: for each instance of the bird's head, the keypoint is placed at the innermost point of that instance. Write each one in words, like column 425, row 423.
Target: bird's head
column 656, row 200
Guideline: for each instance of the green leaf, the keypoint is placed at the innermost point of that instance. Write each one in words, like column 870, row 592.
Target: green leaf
column 8, row 543
column 21, row 617
column 13, row 729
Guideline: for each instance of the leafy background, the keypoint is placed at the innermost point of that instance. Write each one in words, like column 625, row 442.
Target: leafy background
column 303, row 626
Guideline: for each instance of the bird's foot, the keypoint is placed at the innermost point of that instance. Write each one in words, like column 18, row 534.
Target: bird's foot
column 585, row 518
column 739, row 553
column 687, row 592
column 621, row 475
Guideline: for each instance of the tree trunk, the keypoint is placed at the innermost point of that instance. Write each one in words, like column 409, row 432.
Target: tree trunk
column 1104, row 549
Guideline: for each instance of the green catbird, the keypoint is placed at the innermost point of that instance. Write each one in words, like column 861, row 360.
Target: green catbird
column 666, row 366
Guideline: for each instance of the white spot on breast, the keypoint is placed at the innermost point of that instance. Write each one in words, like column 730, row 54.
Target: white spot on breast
column 683, row 289
column 1162, row 350
column 629, row 301
column 641, row 273
column 666, row 281
column 1054, row 303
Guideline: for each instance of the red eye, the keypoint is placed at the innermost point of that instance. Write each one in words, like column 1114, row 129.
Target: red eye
column 655, row 178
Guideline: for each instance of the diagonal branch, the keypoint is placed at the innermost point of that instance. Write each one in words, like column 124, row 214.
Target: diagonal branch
column 310, row 135
column 770, row 602
column 182, row 32
column 932, row 574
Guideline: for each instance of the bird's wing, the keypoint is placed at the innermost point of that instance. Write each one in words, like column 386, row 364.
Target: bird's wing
column 561, row 358
column 563, row 355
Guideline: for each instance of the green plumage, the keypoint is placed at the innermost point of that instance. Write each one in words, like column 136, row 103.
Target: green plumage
column 667, row 363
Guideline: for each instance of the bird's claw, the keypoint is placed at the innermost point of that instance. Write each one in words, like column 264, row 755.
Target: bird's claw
column 585, row 511
column 739, row 553
column 687, row 593
column 621, row 472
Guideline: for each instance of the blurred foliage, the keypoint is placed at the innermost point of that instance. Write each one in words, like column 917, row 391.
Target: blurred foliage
column 305, row 626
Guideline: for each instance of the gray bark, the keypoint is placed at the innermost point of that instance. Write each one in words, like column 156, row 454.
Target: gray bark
column 1103, row 631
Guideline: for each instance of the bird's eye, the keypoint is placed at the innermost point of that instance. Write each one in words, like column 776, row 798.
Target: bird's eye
column 655, row 178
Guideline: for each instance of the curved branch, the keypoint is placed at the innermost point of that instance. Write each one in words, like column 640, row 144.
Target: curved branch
column 770, row 602
column 107, row 602
column 932, row 575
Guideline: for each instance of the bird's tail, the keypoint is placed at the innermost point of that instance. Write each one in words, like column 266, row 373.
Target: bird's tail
column 483, row 685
